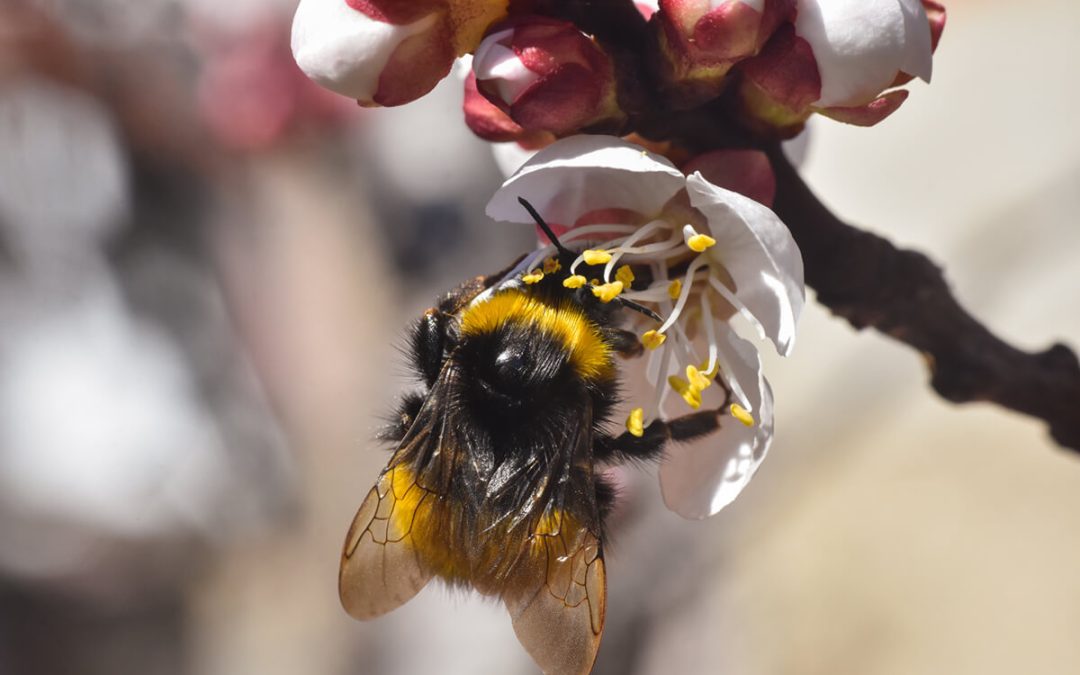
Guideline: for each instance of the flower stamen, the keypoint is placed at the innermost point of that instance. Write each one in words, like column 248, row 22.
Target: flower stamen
column 697, row 242
column 533, row 277
column 608, row 292
column 742, row 414
column 652, row 340
column 575, row 281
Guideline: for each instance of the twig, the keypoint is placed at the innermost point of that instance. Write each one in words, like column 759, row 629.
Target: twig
column 871, row 283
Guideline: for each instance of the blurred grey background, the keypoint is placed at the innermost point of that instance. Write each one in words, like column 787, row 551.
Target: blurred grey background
column 206, row 264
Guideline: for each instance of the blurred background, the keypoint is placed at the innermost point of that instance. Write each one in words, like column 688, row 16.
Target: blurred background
column 206, row 264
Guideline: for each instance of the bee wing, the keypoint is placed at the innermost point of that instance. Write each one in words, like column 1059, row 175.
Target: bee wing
column 380, row 564
column 558, row 599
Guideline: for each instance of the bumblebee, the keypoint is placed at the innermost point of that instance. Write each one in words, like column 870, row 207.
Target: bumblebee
column 493, row 483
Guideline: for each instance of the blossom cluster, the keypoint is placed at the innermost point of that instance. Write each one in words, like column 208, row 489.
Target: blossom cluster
column 699, row 223
column 772, row 63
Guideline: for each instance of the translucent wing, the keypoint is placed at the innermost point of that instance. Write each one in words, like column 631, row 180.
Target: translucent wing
column 558, row 597
column 383, row 564
column 381, row 567
column 559, row 620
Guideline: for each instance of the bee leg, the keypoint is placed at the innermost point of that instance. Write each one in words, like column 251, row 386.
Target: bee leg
column 427, row 344
column 625, row 343
column 691, row 426
column 605, row 497
column 655, row 436
column 628, row 446
column 399, row 424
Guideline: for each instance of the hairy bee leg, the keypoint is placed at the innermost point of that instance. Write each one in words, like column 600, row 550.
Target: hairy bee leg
column 651, row 443
column 408, row 409
column 691, row 426
column 605, row 497
column 428, row 343
column 628, row 446
column 625, row 343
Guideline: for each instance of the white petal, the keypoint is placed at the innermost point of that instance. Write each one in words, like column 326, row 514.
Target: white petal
column 918, row 57
column 345, row 50
column 757, row 250
column 859, row 46
column 700, row 478
column 579, row 174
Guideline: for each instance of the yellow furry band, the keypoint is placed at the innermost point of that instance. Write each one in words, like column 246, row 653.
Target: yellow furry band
column 590, row 356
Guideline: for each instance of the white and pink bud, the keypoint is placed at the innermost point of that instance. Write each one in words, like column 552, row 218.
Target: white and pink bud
column 490, row 123
column 387, row 52
column 838, row 59
column 701, row 40
column 546, row 75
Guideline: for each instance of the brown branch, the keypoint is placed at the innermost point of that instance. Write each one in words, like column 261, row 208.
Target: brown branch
column 871, row 283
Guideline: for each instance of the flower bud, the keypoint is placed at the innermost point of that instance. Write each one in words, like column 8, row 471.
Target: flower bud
column 490, row 123
column 386, row 52
column 837, row 60
column 547, row 76
column 700, row 40
column 747, row 172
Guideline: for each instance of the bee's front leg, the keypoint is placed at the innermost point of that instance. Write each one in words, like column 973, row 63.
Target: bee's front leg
column 654, row 437
column 625, row 343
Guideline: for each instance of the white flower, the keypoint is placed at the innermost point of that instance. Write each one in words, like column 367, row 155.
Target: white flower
column 862, row 46
column 727, row 253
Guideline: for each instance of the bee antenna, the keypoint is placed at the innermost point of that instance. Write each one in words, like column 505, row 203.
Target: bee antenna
column 545, row 227
column 630, row 304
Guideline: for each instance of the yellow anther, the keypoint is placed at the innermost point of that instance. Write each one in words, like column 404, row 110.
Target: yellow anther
column 576, row 281
column 533, row 277
column 674, row 289
column 594, row 282
column 552, row 265
column 697, row 379
column 635, row 423
column 691, row 395
column 700, row 242
column 625, row 275
column 607, row 292
column 596, row 256
column 742, row 414
column 651, row 339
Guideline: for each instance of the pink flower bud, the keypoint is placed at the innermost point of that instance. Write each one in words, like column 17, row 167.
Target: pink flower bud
column 747, row 172
column 490, row 123
column 701, row 40
column 547, row 76
column 839, row 59
column 387, row 52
